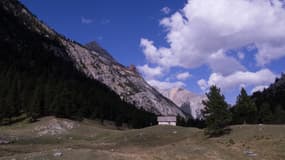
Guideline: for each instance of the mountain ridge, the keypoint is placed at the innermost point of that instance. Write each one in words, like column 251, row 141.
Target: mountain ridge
column 130, row 86
column 38, row 78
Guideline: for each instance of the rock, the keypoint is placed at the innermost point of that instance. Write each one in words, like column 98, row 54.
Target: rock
column 55, row 127
column 3, row 141
column 57, row 154
column 250, row 153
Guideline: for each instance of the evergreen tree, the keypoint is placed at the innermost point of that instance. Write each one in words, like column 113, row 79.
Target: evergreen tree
column 34, row 109
column 279, row 115
column 245, row 110
column 181, row 121
column 62, row 104
column 11, row 104
column 7, row 109
column 265, row 114
column 216, row 112
column 3, row 109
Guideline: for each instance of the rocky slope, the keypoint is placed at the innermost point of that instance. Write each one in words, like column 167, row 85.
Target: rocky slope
column 124, row 81
column 189, row 102
column 96, row 63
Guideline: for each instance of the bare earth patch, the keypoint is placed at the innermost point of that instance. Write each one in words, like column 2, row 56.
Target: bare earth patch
column 55, row 127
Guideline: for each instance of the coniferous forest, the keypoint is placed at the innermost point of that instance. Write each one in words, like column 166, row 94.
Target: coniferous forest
column 38, row 79
column 265, row 107
column 270, row 103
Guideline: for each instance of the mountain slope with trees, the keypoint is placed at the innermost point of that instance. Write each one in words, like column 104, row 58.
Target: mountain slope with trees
column 92, row 61
column 38, row 77
column 270, row 102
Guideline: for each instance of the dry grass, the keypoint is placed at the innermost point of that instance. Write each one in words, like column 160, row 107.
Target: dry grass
column 89, row 140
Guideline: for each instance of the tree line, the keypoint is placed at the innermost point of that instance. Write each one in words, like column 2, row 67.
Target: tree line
column 266, row 107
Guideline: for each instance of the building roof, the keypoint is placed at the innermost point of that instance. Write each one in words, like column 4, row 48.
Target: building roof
column 166, row 118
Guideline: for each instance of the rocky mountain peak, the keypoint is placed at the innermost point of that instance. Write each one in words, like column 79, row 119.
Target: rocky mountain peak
column 188, row 101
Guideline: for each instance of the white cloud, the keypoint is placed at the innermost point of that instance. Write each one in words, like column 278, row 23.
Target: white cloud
column 86, row 20
column 161, row 56
column 203, row 84
column 261, row 77
column 183, row 76
column 259, row 88
column 150, row 72
column 220, row 63
column 269, row 52
column 204, row 28
column 165, row 10
column 163, row 85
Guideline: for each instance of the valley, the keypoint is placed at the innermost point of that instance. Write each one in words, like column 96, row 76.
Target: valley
column 61, row 99
column 52, row 138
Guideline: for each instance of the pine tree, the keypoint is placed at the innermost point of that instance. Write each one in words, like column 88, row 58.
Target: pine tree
column 216, row 112
column 2, row 108
column 245, row 110
column 36, row 104
column 265, row 114
column 11, row 103
column 64, row 104
column 279, row 115
column 181, row 121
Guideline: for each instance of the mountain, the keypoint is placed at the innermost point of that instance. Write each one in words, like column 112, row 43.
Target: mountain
column 125, row 81
column 38, row 77
column 91, row 60
column 189, row 102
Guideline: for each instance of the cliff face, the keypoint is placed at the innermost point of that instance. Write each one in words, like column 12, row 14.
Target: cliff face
column 129, row 85
column 189, row 102
column 96, row 63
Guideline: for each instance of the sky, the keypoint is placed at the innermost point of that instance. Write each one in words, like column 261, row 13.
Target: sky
column 181, row 43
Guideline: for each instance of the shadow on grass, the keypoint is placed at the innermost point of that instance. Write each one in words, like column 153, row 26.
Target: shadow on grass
column 214, row 134
column 13, row 120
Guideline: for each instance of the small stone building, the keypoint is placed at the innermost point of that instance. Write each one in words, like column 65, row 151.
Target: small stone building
column 166, row 120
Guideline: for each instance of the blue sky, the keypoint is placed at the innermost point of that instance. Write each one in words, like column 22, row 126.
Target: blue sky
column 178, row 43
column 117, row 25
